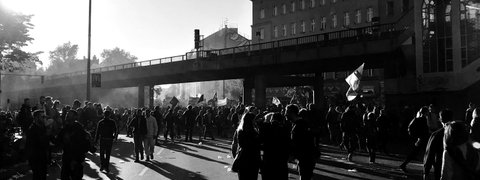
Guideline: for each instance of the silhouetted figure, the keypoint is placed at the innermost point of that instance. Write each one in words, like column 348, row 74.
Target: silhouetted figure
column 303, row 141
column 106, row 132
column 25, row 117
column 246, row 145
column 151, row 134
column 189, row 117
column 208, row 120
column 169, row 120
column 275, row 137
column 370, row 126
column 383, row 125
column 349, row 124
column 475, row 125
column 75, row 142
column 139, row 127
column 333, row 125
column 37, row 146
column 468, row 113
column 418, row 129
column 434, row 149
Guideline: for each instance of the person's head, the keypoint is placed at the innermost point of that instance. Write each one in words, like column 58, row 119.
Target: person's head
column 291, row 111
column 147, row 112
column 446, row 116
column 26, row 101
column 76, row 104
column 431, row 108
column 423, row 111
column 49, row 101
column 42, row 99
column 189, row 107
column 456, row 133
column 139, row 112
column 107, row 114
column 246, row 123
column 56, row 103
column 471, row 105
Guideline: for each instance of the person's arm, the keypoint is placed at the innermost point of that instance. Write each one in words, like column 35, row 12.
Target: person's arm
column 97, row 134
column 115, row 130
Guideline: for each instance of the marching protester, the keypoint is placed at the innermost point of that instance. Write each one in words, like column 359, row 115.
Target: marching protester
column 246, row 149
column 37, row 146
column 106, row 132
column 418, row 129
column 189, row 117
column 349, row 123
column 275, row 139
column 151, row 134
column 139, row 127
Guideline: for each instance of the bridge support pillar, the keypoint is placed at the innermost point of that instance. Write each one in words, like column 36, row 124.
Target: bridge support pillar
column 141, row 96
column 247, row 91
column 260, row 91
column 318, row 94
column 151, row 94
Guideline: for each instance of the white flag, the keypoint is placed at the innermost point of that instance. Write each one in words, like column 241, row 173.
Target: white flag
column 222, row 102
column 354, row 79
column 276, row 101
column 351, row 94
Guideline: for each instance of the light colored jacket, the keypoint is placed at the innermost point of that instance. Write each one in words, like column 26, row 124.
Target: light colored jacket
column 152, row 127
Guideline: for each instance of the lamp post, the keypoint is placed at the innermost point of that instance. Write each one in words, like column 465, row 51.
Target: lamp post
column 89, row 41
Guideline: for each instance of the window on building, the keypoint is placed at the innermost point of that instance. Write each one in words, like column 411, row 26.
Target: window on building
column 303, row 27
column 323, row 23
column 405, row 5
column 284, row 9
column 369, row 14
column 275, row 31
column 262, row 13
column 358, row 16
column 334, row 1
column 334, row 21
column 275, row 10
column 312, row 25
column 292, row 4
column 262, row 34
column 322, row 2
column 294, row 29
column 312, row 3
column 284, row 29
column 302, row 4
column 389, row 8
column 346, row 19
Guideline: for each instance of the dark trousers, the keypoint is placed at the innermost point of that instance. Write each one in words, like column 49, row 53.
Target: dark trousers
column 105, row 150
column 350, row 141
column 189, row 132
column 207, row 131
column 138, row 140
column 167, row 132
column 420, row 145
column 39, row 170
column 371, row 147
column 71, row 170
column 248, row 173
column 305, row 167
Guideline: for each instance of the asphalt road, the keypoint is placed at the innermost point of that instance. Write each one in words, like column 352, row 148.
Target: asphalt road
column 212, row 160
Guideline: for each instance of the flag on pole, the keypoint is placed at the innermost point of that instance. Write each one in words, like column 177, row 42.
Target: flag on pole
column 174, row 101
column 215, row 97
column 294, row 99
column 193, row 100
column 353, row 81
column 201, row 99
column 276, row 101
column 222, row 102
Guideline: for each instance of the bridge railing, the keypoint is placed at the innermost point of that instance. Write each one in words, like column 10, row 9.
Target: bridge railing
column 356, row 34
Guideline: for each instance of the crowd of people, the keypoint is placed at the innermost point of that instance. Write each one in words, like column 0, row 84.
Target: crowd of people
column 263, row 140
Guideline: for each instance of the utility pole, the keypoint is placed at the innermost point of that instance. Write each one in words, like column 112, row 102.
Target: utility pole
column 89, row 42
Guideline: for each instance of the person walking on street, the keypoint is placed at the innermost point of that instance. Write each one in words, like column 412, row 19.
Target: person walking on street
column 246, row 146
column 139, row 127
column 151, row 135
column 37, row 146
column 189, row 117
column 418, row 128
column 75, row 142
column 106, row 132
column 349, row 123
column 170, row 121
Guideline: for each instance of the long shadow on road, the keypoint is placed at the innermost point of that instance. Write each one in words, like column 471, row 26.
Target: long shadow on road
column 173, row 172
column 185, row 150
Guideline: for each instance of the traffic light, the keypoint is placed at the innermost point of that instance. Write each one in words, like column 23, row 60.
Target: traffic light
column 197, row 38
column 96, row 80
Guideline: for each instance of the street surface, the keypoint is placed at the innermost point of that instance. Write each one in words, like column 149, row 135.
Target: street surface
column 212, row 160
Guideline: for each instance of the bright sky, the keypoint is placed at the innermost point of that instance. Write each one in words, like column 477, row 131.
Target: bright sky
column 147, row 29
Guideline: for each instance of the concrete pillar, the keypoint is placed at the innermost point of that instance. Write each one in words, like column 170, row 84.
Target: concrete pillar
column 247, row 90
column 141, row 96
column 318, row 94
column 456, row 36
column 151, row 94
column 260, row 91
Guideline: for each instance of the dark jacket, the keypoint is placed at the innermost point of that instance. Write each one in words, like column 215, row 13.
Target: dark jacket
column 247, row 143
column 139, row 124
column 106, row 129
column 75, row 142
column 434, row 153
column 303, row 140
column 25, row 117
column 189, row 117
column 37, row 144
column 350, row 122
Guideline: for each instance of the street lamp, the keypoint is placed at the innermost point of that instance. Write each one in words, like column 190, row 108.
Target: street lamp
column 89, row 41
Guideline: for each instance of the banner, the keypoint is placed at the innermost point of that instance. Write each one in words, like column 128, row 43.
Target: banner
column 222, row 102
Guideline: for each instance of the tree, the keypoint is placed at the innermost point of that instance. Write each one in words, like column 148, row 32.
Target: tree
column 63, row 59
column 14, row 29
column 116, row 56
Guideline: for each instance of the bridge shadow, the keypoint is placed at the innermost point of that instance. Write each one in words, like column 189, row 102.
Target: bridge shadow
column 114, row 171
column 204, row 147
column 173, row 172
